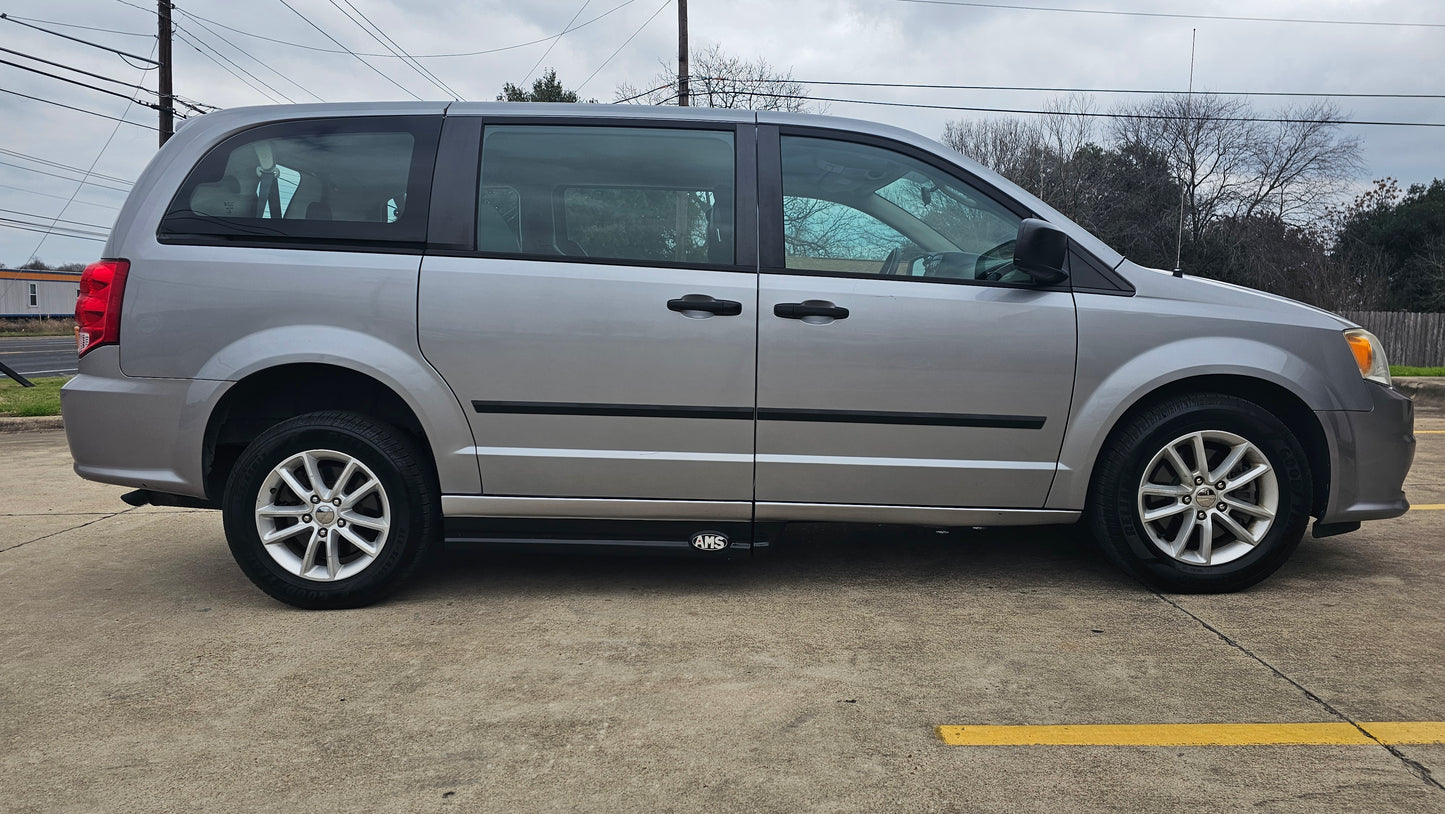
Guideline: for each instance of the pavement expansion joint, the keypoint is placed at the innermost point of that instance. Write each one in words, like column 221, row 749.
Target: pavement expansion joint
column 72, row 528
column 1411, row 766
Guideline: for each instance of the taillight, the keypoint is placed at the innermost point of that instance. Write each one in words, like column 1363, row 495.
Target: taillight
column 97, row 309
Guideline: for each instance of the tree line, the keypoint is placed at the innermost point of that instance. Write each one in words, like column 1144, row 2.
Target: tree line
column 1210, row 185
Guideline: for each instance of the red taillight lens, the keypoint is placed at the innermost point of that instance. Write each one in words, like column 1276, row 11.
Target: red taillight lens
column 97, row 309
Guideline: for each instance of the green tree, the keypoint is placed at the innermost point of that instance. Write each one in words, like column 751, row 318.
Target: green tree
column 1402, row 237
column 545, row 88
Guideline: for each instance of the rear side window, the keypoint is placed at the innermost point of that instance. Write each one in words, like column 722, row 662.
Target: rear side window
column 362, row 182
column 652, row 195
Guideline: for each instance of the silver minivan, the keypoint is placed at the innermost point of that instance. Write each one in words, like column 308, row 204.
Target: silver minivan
column 360, row 329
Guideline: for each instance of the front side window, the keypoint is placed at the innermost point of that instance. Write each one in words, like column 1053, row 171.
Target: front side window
column 860, row 209
column 326, row 179
column 649, row 195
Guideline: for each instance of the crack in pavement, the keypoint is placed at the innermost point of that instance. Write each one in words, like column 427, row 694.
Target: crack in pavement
column 72, row 528
column 1413, row 767
column 53, row 514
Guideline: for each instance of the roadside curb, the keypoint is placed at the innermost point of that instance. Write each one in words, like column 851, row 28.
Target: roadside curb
column 1426, row 391
column 36, row 424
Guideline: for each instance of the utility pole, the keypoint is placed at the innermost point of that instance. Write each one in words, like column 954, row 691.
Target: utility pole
column 682, row 93
column 684, row 221
column 167, row 100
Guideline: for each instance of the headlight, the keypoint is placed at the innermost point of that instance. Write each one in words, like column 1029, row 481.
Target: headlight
column 1369, row 355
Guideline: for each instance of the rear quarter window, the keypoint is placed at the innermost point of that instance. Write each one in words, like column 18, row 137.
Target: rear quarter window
column 362, row 182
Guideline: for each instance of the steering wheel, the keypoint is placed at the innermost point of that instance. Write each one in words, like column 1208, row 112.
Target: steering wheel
column 890, row 263
column 993, row 264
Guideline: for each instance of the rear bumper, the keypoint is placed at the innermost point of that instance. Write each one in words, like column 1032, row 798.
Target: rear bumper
column 1370, row 454
column 146, row 433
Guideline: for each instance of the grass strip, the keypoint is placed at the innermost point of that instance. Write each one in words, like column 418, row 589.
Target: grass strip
column 42, row 399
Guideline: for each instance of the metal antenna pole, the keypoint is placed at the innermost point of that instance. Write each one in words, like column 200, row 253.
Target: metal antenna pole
column 1183, row 188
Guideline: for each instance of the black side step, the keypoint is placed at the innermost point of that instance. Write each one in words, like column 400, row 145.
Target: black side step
column 646, row 537
column 146, row 497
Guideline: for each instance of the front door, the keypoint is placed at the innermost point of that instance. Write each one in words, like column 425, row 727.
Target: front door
column 902, row 360
column 602, row 335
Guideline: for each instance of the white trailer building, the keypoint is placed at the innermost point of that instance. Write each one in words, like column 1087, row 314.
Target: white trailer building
column 29, row 293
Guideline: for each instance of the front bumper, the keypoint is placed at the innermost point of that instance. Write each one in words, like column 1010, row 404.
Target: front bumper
column 1370, row 454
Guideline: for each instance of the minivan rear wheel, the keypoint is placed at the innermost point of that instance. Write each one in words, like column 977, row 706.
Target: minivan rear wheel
column 330, row 510
column 1201, row 493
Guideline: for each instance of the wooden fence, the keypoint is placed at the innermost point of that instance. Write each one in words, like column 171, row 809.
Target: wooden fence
column 1411, row 339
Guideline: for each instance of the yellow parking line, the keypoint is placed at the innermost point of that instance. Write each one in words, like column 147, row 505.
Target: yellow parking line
column 1427, row 507
column 1389, row 732
column 1430, row 432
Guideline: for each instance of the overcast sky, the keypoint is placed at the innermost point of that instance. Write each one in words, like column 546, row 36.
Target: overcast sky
column 849, row 40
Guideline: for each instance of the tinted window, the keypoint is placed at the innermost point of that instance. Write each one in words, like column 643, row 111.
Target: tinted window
column 611, row 193
column 350, row 180
column 861, row 209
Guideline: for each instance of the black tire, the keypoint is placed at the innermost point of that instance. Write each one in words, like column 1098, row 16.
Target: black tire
column 1113, row 507
column 406, row 480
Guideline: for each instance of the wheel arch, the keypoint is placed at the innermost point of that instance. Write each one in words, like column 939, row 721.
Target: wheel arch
column 270, row 395
column 1289, row 406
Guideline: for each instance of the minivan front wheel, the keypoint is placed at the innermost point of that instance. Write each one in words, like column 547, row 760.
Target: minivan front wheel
column 1201, row 493
column 329, row 510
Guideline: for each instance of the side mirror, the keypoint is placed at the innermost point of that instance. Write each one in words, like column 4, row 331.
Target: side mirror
column 1041, row 251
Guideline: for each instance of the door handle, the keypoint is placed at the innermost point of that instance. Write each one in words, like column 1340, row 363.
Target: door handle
column 809, row 308
column 702, row 306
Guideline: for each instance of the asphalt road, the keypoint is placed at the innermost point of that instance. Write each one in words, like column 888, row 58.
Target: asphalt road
column 140, row 671
column 39, row 355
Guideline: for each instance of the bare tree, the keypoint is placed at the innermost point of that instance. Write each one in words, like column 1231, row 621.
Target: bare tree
column 1234, row 166
column 1301, row 166
column 1035, row 154
column 1013, row 148
column 1210, row 145
column 719, row 79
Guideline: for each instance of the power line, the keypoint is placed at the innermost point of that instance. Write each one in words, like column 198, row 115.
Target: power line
column 66, row 177
column 165, row 87
column 78, row 82
column 624, row 44
column 196, row 45
column 349, row 51
column 1093, row 115
column 393, row 46
column 393, row 56
column 61, row 220
column 637, row 96
column 248, row 54
column 555, row 40
column 57, row 197
column 60, row 166
column 63, row 66
column 77, row 39
column 71, row 107
column 26, row 226
column 1174, row 15
column 85, row 27
column 1106, row 90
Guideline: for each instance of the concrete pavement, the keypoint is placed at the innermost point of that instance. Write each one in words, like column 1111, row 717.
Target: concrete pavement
column 140, row 671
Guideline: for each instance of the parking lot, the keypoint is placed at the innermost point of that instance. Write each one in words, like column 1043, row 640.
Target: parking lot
column 140, row 671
